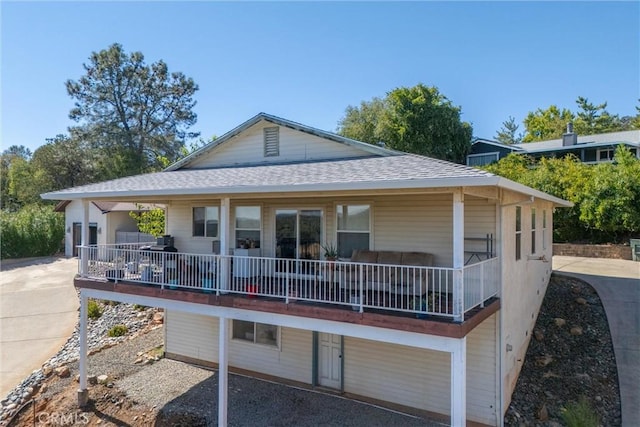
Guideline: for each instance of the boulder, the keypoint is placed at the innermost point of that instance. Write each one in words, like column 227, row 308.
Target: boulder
column 560, row 322
column 62, row 371
column 576, row 330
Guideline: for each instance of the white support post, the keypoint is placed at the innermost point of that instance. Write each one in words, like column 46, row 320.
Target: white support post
column 458, row 255
column 84, row 240
column 459, row 384
column 223, row 372
column 224, row 242
column 83, row 394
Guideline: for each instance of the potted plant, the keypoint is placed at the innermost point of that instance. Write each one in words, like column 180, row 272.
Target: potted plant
column 330, row 252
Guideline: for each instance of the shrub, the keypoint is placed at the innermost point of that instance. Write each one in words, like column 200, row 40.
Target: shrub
column 139, row 307
column 118, row 331
column 580, row 414
column 94, row 311
column 32, row 231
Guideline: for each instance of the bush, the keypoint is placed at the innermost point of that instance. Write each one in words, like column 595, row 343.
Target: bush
column 118, row 331
column 580, row 414
column 32, row 231
column 94, row 311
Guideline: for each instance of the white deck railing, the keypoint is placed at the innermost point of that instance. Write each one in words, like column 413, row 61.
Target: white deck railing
column 401, row 288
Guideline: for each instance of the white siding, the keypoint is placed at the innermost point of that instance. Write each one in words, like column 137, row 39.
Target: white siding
column 398, row 374
column 248, row 148
column 524, row 284
column 482, row 393
column 118, row 221
column 196, row 336
column 192, row 335
column 179, row 225
column 74, row 212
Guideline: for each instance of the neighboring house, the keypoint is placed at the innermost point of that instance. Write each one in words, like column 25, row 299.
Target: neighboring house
column 589, row 148
column 442, row 268
column 109, row 222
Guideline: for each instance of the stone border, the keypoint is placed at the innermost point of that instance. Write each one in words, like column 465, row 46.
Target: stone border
column 593, row 251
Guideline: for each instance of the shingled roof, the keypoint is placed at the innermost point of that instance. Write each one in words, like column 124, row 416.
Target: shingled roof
column 391, row 172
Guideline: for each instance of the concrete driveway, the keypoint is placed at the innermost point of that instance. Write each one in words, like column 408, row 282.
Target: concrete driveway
column 38, row 312
column 618, row 285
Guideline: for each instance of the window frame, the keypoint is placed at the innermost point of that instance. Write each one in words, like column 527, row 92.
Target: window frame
column 255, row 334
column 492, row 153
column 236, row 228
column 338, row 230
column 544, row 229
column 518, row 233
column 204, row 235
column 533, row 230
column 610, row 154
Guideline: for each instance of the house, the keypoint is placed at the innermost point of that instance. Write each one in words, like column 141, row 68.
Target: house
column 109, row 222
column 589, row 149
column 429, row 308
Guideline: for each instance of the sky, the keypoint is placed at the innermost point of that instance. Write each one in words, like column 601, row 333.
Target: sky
column 309, row 61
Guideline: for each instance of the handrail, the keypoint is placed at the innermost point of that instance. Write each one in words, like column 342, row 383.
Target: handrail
column 420, row 290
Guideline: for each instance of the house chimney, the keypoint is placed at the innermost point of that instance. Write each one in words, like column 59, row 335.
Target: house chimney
column 569, row 138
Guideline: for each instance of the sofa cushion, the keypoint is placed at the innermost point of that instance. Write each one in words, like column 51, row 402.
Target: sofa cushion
column 417, row 258
column 389, row 257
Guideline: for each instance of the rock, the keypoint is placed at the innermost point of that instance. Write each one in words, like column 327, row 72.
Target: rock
column 43, row 388
column 543, row 414
column 47, row 370
column 62, row 371
column 550, row 374
column 576, row 330
column 538, row 335
column 11, row 406
column 581, row 301
column 138, row 360
column 158, row 318
column 560, row 322
column 544, row 360
column 598, row 398
column 92, row 379
column 102, row 379
column 135, row 418
column 583, row 376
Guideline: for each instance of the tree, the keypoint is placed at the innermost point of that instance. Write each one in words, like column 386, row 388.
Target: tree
column 133, row 112
column 149, row 221
column 546, row 124
column 416, row 119
column 593, row 119
column 507, row 134
column 65, row 162
column 6, row 159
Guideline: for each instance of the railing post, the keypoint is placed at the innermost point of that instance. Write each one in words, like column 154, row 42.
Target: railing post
column 361, row 289
column 286, row 281
column 84, row 261
column 458, row 295
column 482, row 285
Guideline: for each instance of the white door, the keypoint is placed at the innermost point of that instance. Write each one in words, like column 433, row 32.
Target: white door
column 330, row 360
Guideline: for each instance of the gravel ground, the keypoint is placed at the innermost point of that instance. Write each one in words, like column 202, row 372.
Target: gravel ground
column 187, row 395
column 570, row 355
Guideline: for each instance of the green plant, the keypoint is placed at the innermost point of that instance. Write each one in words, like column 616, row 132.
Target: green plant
column 118, row 331
column 330, row 251
column 94, row 311
column 139, row 307
column 32, row 231
column 580, row 414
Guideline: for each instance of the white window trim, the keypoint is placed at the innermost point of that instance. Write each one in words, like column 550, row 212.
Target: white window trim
column 534, row 228
column 235, row 228
column 544, row 229
column 601, row 150
column 518, row 232
column 208, row 238
column 371, row 224
column 278, row 345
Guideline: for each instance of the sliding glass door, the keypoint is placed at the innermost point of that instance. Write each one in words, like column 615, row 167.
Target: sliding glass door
column 298, row 233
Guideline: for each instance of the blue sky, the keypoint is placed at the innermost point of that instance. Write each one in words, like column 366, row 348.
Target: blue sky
column 308, row 61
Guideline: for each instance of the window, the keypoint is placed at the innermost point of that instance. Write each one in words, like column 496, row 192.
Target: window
column 482, row 159
column 518, row 232
column 271, row 142
column 205, row 221
column 606, row 154
column 248, row 226
column 533, row 231
column 353, row 228
column 257, row 333
column 544, row 229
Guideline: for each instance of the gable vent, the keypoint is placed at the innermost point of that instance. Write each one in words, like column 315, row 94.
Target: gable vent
column 271, row 142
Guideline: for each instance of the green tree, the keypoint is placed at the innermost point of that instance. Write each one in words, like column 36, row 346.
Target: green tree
column 416, row 119
column 65, row 162
column 592, row 119
column 149, row 221
column 7, row 157
column 611, row 199
column 542, row 125
column 508, row 132
column 133, row 112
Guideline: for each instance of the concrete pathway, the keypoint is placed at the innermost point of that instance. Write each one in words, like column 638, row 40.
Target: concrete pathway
column 38, row 312
column 618, row 285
